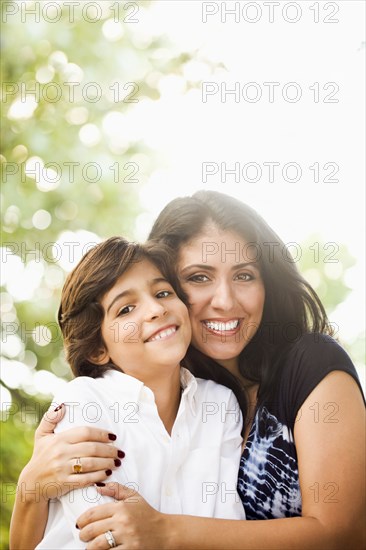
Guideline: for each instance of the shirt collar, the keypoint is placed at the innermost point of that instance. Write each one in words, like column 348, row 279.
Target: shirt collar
column 189, row 384
column 134, row 387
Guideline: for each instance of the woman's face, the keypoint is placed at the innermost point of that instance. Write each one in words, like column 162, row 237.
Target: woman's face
column 226, row 293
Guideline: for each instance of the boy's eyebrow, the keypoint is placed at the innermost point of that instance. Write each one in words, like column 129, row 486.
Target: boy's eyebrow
column 210, row 268
column 131, row 291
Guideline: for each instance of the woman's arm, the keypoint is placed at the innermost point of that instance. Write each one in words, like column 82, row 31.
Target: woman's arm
column 331, row 460
column 49, row 474
column 29, row 517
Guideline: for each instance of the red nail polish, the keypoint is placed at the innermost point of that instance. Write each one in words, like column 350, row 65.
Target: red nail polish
column 108, row 472
column 59, row 407
column 117, row 462
column 100, row 484
column 112, row 437
column 121, row 454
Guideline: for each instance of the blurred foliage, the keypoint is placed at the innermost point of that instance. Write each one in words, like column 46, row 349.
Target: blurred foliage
column 41, row 134
column 324, row 266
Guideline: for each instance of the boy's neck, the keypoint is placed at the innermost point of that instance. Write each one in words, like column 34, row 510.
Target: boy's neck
column 167, row 394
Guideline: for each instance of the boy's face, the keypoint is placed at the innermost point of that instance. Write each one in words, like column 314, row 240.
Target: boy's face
column 146, row 327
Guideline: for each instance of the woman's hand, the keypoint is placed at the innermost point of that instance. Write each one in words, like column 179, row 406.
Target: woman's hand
column 50, row 473
column 50, row 470
column 133, row 523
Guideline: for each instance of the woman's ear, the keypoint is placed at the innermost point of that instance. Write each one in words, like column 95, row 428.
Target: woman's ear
column 100, row 357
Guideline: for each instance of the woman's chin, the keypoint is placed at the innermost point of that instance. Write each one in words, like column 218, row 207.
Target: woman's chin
column 227, row 357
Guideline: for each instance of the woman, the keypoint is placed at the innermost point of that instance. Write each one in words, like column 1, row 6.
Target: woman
column 303, row 461
column 125, row 332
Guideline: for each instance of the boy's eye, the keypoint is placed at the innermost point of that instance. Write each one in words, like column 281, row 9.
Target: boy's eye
column 199, row 278
column 125, row 310
column 164, row 294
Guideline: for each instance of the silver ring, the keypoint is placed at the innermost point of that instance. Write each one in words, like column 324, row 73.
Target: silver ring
column 110, row 539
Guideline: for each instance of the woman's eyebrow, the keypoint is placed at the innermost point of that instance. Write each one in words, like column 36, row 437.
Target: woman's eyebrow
column 131, row 291
column 245, row 264
column 197, row 266
column 210, row 268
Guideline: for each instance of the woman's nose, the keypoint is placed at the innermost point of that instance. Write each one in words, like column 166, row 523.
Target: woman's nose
column 223, row 297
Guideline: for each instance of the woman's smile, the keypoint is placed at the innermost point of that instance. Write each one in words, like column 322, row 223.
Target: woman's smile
column 220, row 327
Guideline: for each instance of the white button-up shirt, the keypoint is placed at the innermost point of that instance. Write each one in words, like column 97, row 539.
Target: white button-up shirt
column 192, row 471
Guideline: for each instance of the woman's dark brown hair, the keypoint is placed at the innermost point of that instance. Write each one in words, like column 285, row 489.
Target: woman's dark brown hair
column 81, row 313
column 292, row 308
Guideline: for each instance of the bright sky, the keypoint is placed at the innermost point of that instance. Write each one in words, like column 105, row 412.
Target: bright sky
column 187, row 132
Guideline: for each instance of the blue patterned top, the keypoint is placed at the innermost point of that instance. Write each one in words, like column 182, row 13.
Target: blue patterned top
column 268, row 481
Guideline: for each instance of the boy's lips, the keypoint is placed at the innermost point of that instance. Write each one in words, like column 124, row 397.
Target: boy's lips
column 163, row 333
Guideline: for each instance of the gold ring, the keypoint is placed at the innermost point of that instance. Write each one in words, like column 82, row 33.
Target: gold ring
column 77, row 466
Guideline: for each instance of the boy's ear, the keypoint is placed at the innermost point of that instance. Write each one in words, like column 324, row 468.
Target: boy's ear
column 100, row 357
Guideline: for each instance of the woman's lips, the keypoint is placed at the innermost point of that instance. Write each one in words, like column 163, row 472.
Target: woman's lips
column 222, row 327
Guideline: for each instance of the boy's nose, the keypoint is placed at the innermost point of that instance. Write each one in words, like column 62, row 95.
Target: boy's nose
column 156, row 309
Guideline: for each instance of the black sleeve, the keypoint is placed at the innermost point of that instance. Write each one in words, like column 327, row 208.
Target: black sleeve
column 308, row 362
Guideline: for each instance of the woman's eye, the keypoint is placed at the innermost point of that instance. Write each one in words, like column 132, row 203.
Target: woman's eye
column 125, row 310
column 198, row 278
column 164, row 293
column 245, row 277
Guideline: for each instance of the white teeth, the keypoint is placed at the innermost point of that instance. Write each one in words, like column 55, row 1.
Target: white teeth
column 231, row 325
column 163, row 334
